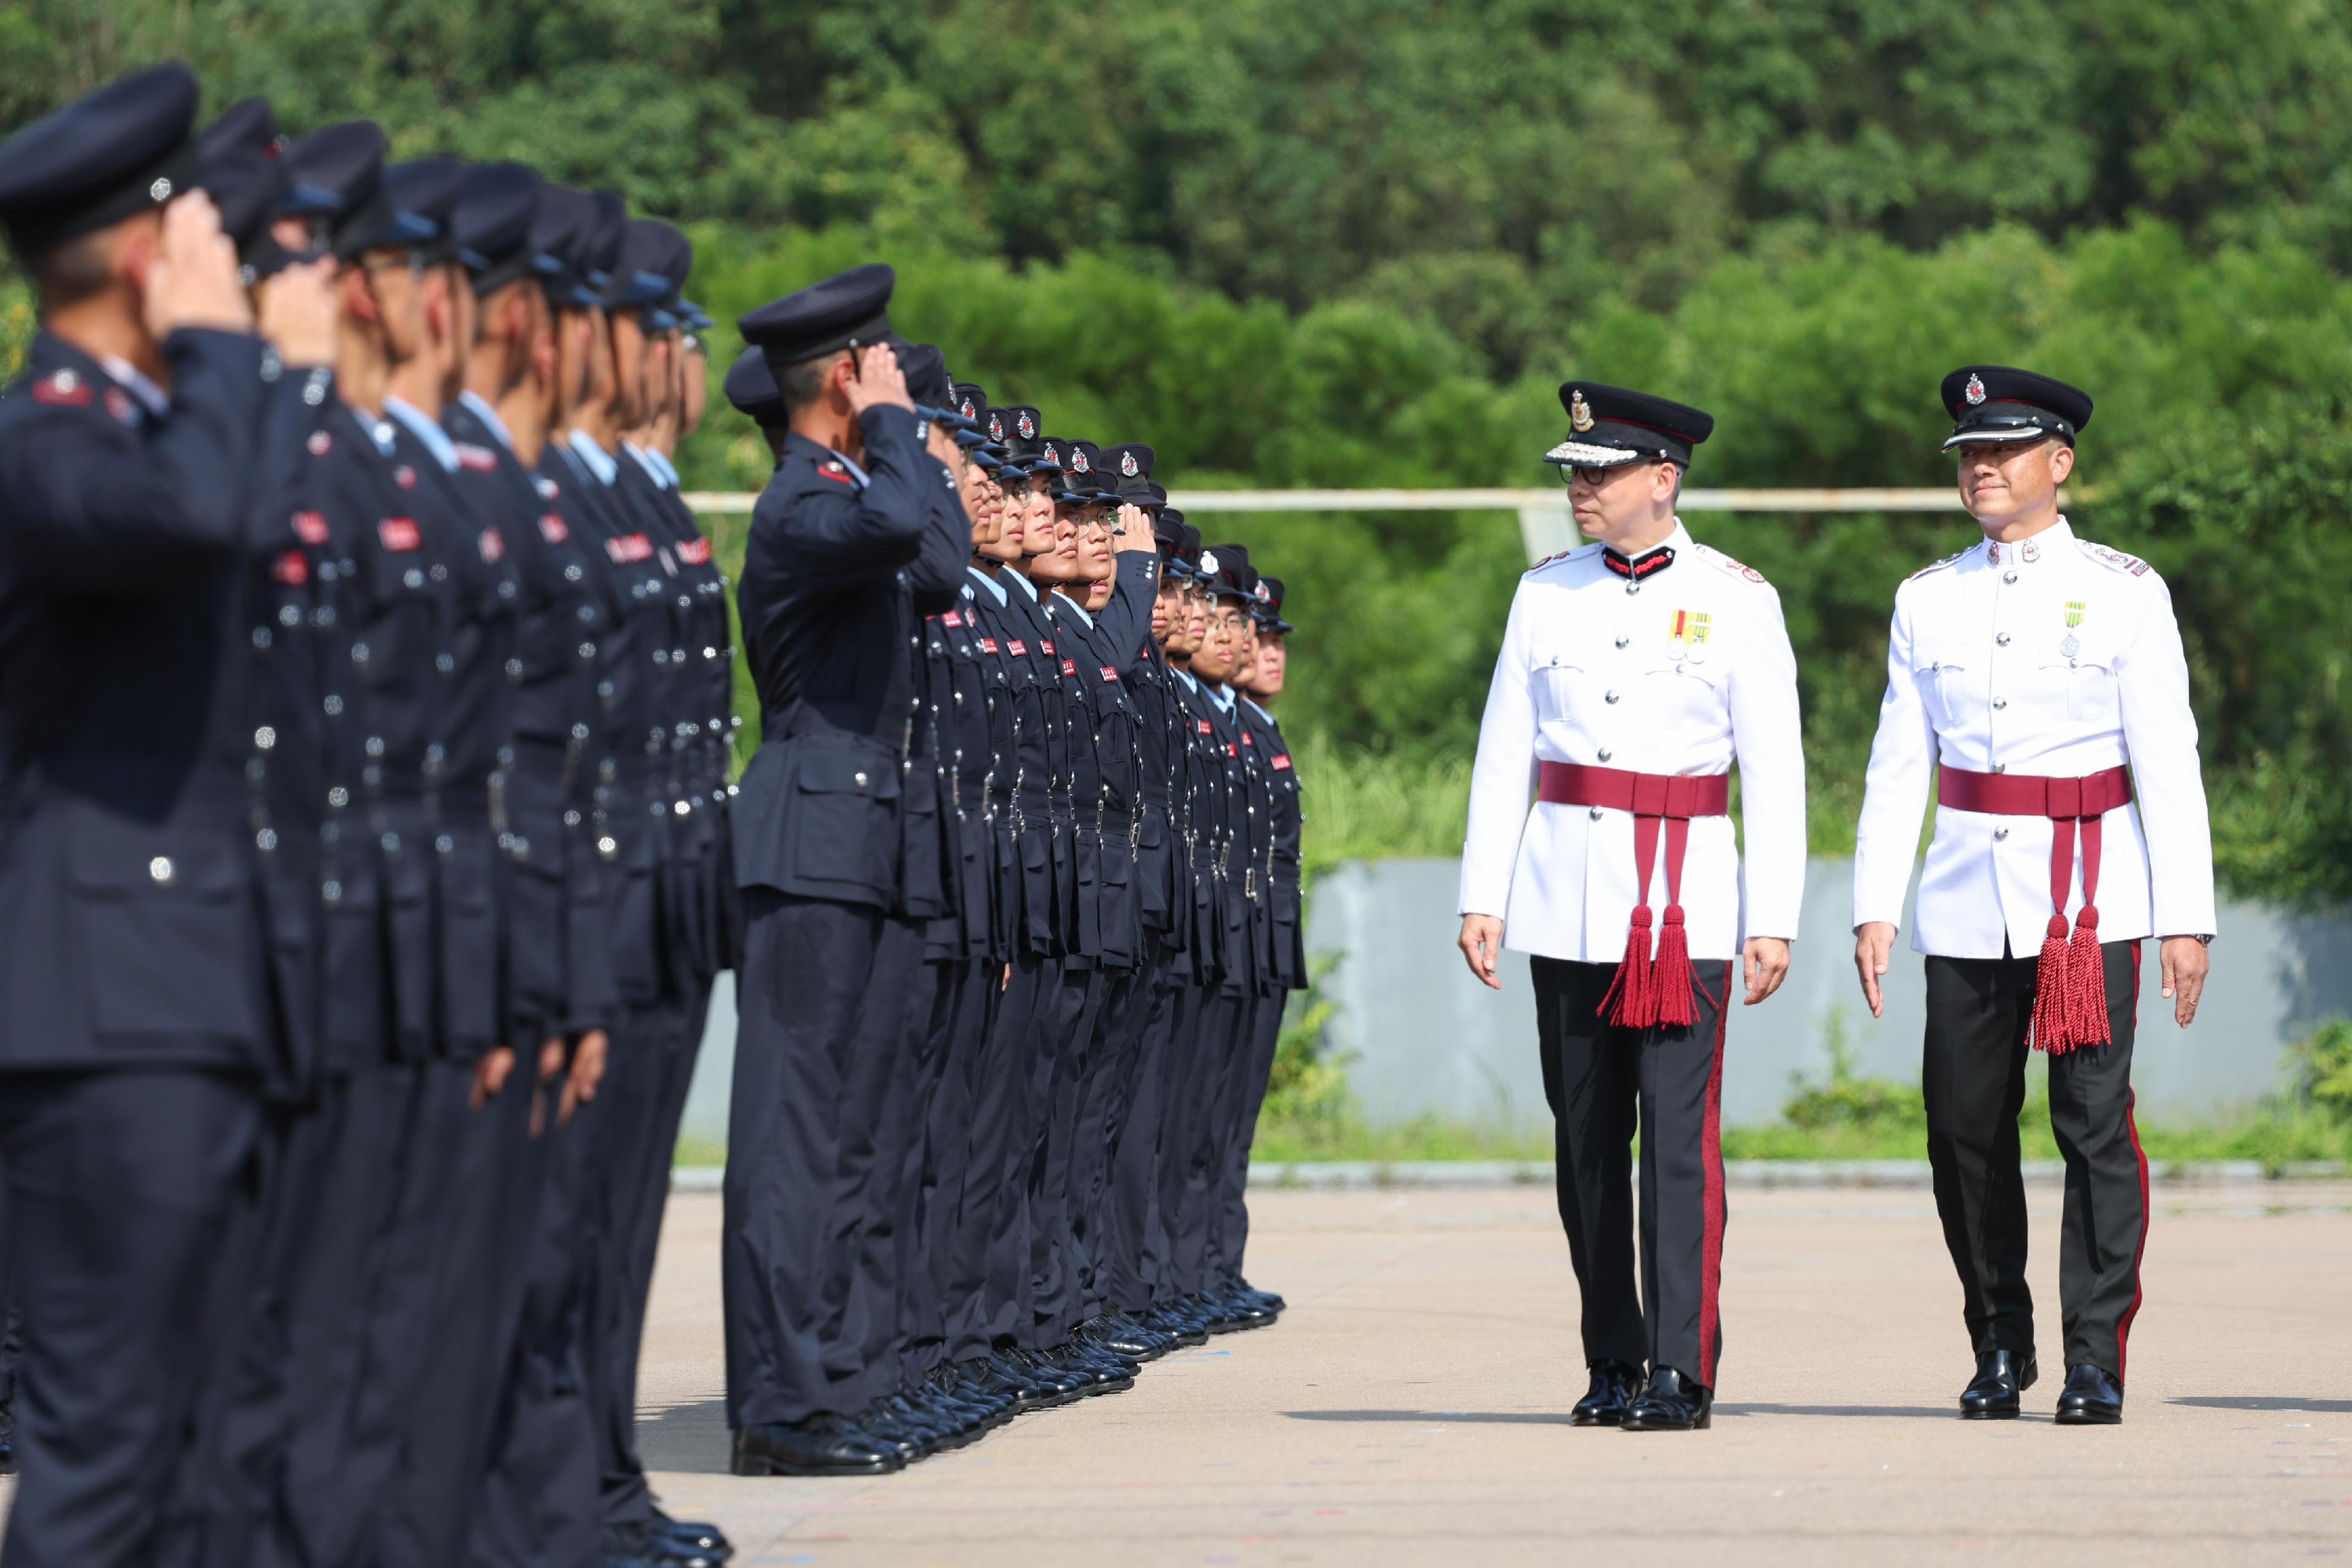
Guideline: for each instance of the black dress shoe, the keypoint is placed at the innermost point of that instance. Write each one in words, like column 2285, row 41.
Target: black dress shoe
column 1267, row 1298
column 694, row 1535
column 819, row 1445
column 1671, row 1403
column 1615, row 1386
column 2001, row 1376
column 642, row 1546
column 2091, row 1398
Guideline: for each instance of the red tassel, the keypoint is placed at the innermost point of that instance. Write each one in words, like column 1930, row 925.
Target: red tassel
column 2052, row 1011
column 2086, row 981
column 1670, row 980
column 1633, row 999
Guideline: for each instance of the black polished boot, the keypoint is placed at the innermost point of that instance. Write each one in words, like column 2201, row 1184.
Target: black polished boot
column 1615, row 1386
column 819, row 1445
column 1671, row 1403
column 693, row 1535
column 2001, row 1376
column 2092, row 1397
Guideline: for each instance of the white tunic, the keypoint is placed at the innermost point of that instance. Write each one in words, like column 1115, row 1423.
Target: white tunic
column 1680, row 674
column 2051, row 657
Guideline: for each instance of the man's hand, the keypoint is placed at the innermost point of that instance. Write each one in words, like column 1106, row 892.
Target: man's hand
column 490, row 1075
column 1764, row 966
column 587, row 1074
column 875, row 379
column 1131, row 534
column 1874, row 946
column 2186, row 962
column 298, row 309
column 193, row 280
column 1482, row 945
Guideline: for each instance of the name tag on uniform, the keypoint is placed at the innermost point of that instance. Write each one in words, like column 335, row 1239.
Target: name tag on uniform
column 1230, row 750
column 629, row 548
column 1247, row 739
column 694, row 552
column 1069, row 667
column 1203, row 724
column 1020, row 647
column 951, row 618
column 1108, row 673
column 988, row 644
column 399, row 534
column 1048, row 647
column 1282, row 763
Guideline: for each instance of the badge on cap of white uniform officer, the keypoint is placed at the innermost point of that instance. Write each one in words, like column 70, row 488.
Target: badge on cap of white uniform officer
column 1610, row 426
column 106, row 156
column 1992, row 404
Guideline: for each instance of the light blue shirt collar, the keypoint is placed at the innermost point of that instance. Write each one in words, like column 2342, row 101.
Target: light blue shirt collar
column 488, row 415
column 435, row 439
column 1259, row 711
column 1076, row 608
column 1187, row 676
column 661, row 461
column 986, row 582
column 151, row 397
column 649, row 463
column 1027, row 587
column 600, row 462
column 1220, row 696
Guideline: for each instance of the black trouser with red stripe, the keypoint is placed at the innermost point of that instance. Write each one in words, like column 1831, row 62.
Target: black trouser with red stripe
column 1597, row 1078
column 1978, row 1010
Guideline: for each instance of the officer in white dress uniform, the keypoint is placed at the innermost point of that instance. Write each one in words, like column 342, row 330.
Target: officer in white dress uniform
column 2038, row 679
column 1635, row 672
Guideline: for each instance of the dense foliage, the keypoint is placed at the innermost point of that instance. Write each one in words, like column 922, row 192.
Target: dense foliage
column 1358, row 243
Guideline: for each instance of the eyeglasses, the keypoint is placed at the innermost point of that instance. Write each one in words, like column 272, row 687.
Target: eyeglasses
column 1595, row 478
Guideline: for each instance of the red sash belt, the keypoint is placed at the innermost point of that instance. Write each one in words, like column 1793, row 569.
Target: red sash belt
column 2070, row 994
column 1647, row 991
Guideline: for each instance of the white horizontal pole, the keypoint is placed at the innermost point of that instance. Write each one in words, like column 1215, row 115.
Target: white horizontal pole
column 1553, row 498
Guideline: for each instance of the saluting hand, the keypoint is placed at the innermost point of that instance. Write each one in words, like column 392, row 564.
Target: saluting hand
column 1132, row 534
column 298, row 309
column 1482, row 946
column 193, row 280
column 2186, row 963
column 875, row 379
column 1874, row 946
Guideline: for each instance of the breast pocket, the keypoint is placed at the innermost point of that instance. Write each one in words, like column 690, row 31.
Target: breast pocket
column 2087, row 679
column 1947, row 677
column 168, row 942
column 845, row 823
column 1558, row 674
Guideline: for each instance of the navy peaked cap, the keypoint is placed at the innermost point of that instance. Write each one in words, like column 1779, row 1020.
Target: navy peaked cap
column 492, row 223
column 751, row 388
column 106, row 156
column 1610, row 426
column 251, row 125
column 1994, row 403
column 853, row 306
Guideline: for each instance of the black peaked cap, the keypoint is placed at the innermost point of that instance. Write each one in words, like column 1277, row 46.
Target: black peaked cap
column 641, row 273
column 102, row 158
column 246, row 187
column 1128, row 467
column 561, row 232
column 1017, row 425
column 1994, row 402
column 1609, row 425
column 338, row 172
column 251, row 125
column 492, row 223
column 925, row 366
column 751, row 388
column 600, row 247
column 853, row 306
column 428, row 188
column 1229, row 572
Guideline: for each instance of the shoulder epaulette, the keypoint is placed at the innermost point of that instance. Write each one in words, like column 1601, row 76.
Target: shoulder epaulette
column 1728, row 566
column 1563, row 555
column 2113, row 560
column 1935, row 565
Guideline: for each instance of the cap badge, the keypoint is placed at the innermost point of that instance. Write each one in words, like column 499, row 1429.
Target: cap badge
column 1028, row 427
column 1260, row 593
column 1049, row 453
column 996, row 428
column 1976, row 393
column 1579, row 412
column 967, row 409
column 1078, row 462
column 1126, row 465
column 1208, row 563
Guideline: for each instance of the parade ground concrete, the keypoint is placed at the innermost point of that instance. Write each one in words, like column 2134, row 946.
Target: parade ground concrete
column 1411, row 1407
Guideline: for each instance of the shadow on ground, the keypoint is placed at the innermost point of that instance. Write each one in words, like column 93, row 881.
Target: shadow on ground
column 2265, row 1402
column 688, row 1438
column 1560, row 1419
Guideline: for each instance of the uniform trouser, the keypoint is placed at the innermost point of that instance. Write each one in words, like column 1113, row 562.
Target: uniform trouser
column 120, row 1187
column 1131, row 1201
column 475, row 1311
column 1210, row 1046
column 988, row 1274
column 1596, row 1077
column 540, row 1503
column 1978, row 1013
column 822, row 990
column 1106, row 1244
column 1052, row 1258
column 652, row 1071
column 1262, row 1038
column 931, row 1197
column 1175, row 1022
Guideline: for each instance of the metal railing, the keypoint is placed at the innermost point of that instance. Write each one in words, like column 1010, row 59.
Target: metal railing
column 1544, row 527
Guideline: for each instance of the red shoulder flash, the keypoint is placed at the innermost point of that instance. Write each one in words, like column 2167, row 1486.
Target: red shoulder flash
column 552, row 528
column 311, row 527
column 399, row 535
column 63, row 389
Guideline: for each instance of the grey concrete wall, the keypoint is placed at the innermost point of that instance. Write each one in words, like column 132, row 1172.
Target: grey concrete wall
column 1428, row 1038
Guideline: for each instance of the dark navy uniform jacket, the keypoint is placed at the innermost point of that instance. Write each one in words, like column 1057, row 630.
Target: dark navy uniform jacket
column 1278, row 861
column 838, row 573
column 130, row 909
